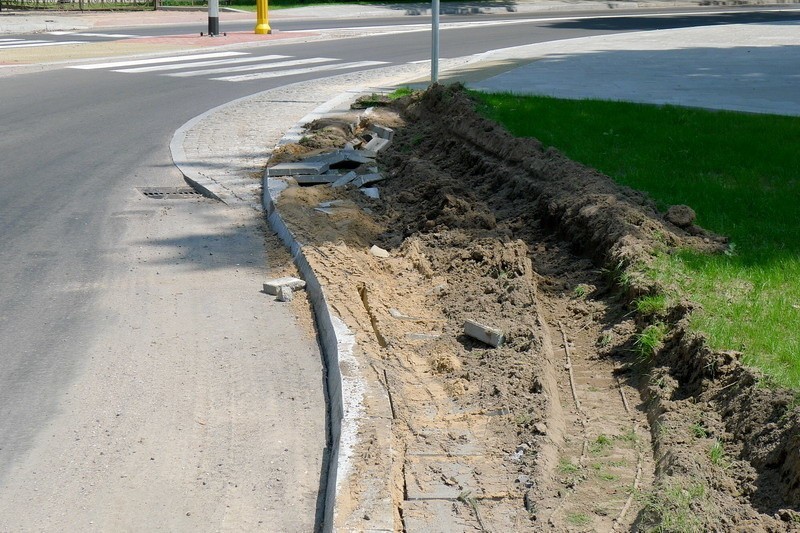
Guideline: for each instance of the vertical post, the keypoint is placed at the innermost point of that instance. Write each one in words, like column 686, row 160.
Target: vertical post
column 435, row 42
column 262, row 17
column 213, row 18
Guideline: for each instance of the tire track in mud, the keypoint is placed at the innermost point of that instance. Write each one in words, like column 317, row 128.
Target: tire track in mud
column 605, row 457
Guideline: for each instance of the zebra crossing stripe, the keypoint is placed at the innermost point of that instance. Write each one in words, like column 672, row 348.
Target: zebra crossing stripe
column 293, row 72
column 278, row 64
column 36, row 44
column 199, row 64
column 109, row 35
column 170, row 59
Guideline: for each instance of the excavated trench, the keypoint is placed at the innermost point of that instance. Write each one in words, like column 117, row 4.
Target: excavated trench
column 562, row 427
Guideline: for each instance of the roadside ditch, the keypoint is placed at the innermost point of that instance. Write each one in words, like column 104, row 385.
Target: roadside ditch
column 574, row 422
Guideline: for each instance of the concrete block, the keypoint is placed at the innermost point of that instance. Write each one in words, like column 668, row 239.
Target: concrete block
column 379, row 252
column 273, row 286
column 285, row 294
column 366, row 179
column 344, row 180
column 372, row 192
column 485, row 334
column 377, row 144
column 382, row 131
column 315, row 179
column 325, row 210
column 298, row 168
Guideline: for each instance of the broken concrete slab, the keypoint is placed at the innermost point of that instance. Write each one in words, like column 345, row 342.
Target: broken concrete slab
column 366, row 179
column 377, row 144
column 273, row 286
column 488, row 335
column 344, row 180
column 382, row 131
column 297, row 168
column 285, row 294
column 371, row 192
column 332, row 203
column 379, row 252
column 422, row 336
column 442, row 516
column 446, row 478
column 315, row 179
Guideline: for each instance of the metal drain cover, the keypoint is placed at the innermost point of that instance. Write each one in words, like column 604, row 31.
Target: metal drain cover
column 169, row 193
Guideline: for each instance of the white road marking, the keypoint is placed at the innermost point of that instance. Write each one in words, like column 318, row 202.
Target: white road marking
column 245, row 68
column 34, row 44
column 109, row 35
column 200, row 64
column 292, row 72
column 170, row 59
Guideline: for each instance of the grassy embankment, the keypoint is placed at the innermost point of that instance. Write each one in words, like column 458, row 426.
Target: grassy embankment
column 741, row 174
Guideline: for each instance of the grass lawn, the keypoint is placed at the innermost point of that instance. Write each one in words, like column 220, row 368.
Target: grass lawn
column 741, row 174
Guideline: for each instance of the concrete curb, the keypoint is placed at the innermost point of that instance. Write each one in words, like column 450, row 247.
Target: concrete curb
column 191, row 171
column 347, row 388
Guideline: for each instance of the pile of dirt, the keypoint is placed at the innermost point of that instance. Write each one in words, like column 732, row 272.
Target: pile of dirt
column 562, row 427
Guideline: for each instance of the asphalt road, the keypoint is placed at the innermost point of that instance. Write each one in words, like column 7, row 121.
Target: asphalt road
column 76, row 143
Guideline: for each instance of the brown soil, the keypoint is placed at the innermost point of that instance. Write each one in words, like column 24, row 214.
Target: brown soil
column 562, row 427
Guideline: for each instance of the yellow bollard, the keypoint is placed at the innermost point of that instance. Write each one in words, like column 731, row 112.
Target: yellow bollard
column 262, row 17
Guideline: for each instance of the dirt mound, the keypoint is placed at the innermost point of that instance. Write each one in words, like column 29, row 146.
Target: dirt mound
column 562, row 427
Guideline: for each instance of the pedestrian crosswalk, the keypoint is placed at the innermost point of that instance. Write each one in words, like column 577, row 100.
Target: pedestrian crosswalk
column 230, row 66
column 11, row 44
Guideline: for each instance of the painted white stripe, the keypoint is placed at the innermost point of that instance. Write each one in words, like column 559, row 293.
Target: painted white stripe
column 264, row 66
column 32, row 44
column 200, row 64
column 293, row 72
column 109, row 35
column 170, row 59
column 11, row 40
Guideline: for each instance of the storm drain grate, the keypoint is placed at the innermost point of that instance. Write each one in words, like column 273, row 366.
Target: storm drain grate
column 169, row 193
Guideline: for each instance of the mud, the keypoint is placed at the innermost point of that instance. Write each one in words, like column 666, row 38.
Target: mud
column 562, row 427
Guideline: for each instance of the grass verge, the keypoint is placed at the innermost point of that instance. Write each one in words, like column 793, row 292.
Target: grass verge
column 741, row 174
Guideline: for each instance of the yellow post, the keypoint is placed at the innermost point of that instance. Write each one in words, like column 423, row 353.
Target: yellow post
column 262, row 17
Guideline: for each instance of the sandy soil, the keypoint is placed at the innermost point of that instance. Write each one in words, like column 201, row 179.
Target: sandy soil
column 562, row 427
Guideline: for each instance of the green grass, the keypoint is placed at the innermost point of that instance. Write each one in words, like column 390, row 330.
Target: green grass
column 578, row 519
column 649, row 340
column 739, row 172
column 677, row 509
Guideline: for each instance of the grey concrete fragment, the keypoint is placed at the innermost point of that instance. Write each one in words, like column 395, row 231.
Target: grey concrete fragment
column 326, row 210
column 344, row 180
column 285, row 294
column 340, row 156
column 485, row 334
column 298, row 167
column 377, row 144
column 366, row 179
column 273, row 286
column 422, row 336
column 382, row 131
column 379, row 252
column 372, row 192
column 332, row 203
column 315, row 179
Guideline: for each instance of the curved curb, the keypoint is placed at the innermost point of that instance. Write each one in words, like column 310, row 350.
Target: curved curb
column 346, row 385
column 191, row 173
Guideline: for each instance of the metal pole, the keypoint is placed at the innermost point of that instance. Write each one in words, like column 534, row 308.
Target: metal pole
column 262, row 17
column 435, row 44
column 213, row 18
